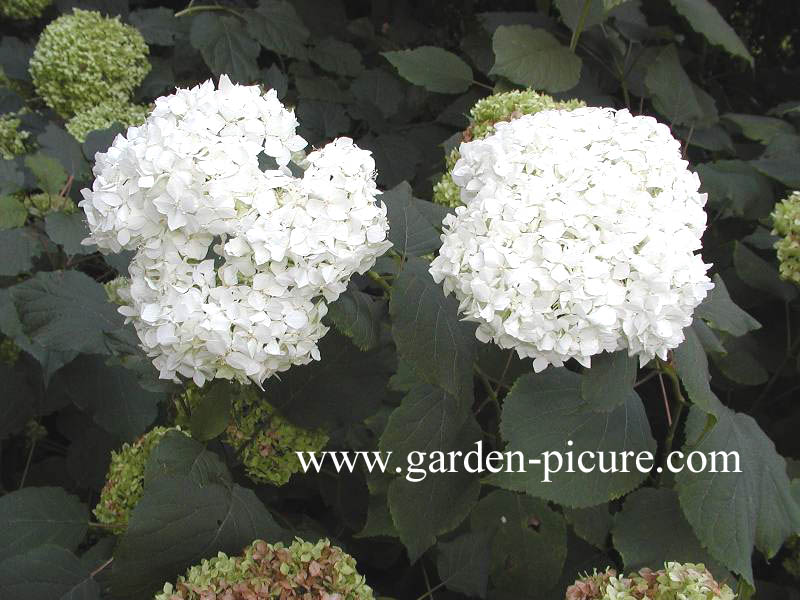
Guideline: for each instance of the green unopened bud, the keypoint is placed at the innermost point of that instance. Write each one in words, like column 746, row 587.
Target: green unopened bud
column 41, row 205
column 84, row 59
column 103, row 116
column 786, row 223
column 125, row 480
column 23, row 9
column 486, row 113
column 302, row 570
column 264, row 439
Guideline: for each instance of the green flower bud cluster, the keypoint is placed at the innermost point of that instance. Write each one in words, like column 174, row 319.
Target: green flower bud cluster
column 301, row 571
column 786, row 222
column 103, row 116
column 23, row 9
column 486, row 113
column 677, row 581
column 792, row 562
column 125, row 480
column 13, row 142
column 265, row 440
column 42, row 204
column 9, row 351
column 84, row 59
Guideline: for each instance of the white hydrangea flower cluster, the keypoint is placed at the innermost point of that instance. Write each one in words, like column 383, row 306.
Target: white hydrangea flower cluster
column 578, row 236
column 234, row 265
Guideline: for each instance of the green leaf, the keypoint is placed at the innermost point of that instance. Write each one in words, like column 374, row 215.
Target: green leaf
column 781, row 160
column 50, row 175
column 759, row 128
column 722, row 314
column 65, row 310
column 277, row 27
column 157, row 25
column 672, row 90
column 396, row 157
column 111, row 395
column 17, row 402
column 534, row 58
column 100, row 140
column 529, row 541
column 379, row 89
column 212, row 415
column 428, row 332
column 463, row 564
column 225, row 45
column 736, row 188
column 358, row 316
column 55, row 142
column 68, row 231
column 325, row 120
column 435, row 69
column 47, row 573
column 18, row 247
column 177, row 523
column 691, row 364
column 543, row 412
column 337, row 57
column 379, row 519
column 571, row 11
column 705, row 19
column 609, row 381
column 12, row 213
column 33, row 517
column 651, row 530
column 12, row 179
column 423, row 510
column 761, row 275
column 178, row 455
column 409, row 229
column 732, row 512
column 14, row 57
column 592, row 524
column 741, row 363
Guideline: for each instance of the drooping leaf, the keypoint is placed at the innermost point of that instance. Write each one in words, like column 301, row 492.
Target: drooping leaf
column 65, row 310
column 722, row 314
column 50, row 175
column 18, row 247
column 609, row 381
column 529, row 541
column 691, row 364
column 781, row 160
column 543, row 412
column 35, row 516
column 358, row 316
column 672, row 90
column 761, row 275
column 742, row 361
column 337, row 57
column 178, row 455
column 736, row 188
column 277, row 27
column 759, row 128
column 429, row 335
column 47, row 573
column 68, row 230
column 463, row 564
column 534, row 58
column 409, row 230
column 705, row 19
column 731, row 512
column 435, row 69
column 592, row 523
column 225, row 45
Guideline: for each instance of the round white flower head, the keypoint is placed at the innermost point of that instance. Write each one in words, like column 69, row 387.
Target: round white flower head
column 234, row 265
column 578, row 236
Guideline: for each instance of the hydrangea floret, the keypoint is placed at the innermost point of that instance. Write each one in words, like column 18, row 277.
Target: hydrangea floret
column 125, row 479
column 578, row 236
column 83, row 59
column 265, row 440
column 234, row 266
column 676, row 581
column 786, row 223
column 23, row 9
column 13, row 141
column 103, row 116
column 301, row 571
column 486, row 113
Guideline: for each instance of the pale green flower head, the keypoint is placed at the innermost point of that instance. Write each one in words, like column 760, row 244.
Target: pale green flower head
column 23, row 9
column 104, row 115
column 486, row 113
column 13, row 142
column 125, row 480
column 265, row 441
column 677, row 581
column 273, row 571
column 42, row 204
column 83, row 59
column 786, row 223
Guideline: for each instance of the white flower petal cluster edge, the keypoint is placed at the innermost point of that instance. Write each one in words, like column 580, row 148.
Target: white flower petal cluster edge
column 234, row 266
column 578, row 236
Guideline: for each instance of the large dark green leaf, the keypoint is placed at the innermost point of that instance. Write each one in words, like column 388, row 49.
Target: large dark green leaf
column 157, row 25
column 673, row 93
column 534, row 58
column 736, row 189
column 358, row 316
column 276, row 25
column 33, row 517
column 428, row 332
column 463, row 564
column 178, row 455
column 410, row 231
column 47, row 573
column 225, row 45
column 759, row 128
column 761, row 275
column 609, row 381
column 48, row 172
column 529, row 541
column 12, row 212
column 57, row 143
column 543, row 412
column 435, row 69
column 722, row 314
column 68, row 231
column 733, row 512
column 18, row 247
column 691, row 363
column 379, row 89
column 11, row 176
column 781, row 160
column 65, row 310
column 705, row 19
column 17, row 401
column 396, row 157
column 337, row 57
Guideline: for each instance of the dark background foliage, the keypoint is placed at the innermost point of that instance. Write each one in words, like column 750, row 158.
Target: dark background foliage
column 80, row 387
